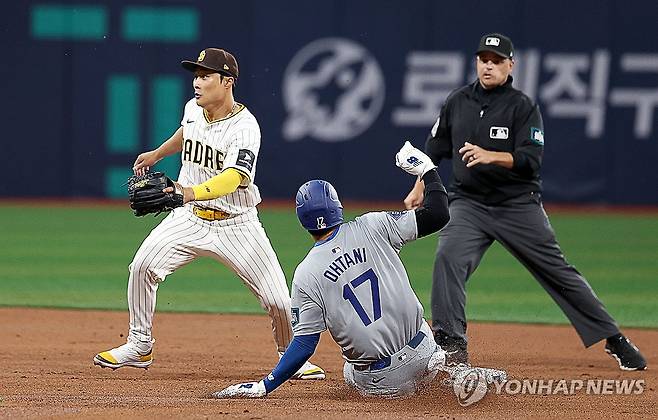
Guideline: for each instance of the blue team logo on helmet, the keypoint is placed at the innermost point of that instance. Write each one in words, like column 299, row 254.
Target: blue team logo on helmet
column 318, row 206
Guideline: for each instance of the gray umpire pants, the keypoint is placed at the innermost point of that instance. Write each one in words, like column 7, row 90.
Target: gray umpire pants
column 522, row 227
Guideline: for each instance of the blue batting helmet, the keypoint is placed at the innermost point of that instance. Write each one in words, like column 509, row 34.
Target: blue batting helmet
column 318, row 206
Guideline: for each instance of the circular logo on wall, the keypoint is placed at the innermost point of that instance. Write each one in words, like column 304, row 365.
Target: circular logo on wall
column 333, row 90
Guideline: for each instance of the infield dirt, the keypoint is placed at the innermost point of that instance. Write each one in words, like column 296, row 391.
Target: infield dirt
column 47, row 371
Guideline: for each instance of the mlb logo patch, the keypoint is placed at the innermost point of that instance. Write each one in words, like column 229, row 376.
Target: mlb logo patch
column 537, row 135
column 492, row 40
column 499, row 133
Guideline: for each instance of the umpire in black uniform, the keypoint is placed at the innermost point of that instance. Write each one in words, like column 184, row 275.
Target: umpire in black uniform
column 495, row 137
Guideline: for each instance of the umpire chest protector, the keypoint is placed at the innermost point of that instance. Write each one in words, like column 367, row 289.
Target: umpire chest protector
column 502, row 119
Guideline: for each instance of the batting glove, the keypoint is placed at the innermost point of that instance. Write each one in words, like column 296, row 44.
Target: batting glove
column 413, row 161
column 244, row 390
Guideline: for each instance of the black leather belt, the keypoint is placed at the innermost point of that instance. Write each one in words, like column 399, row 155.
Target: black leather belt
column 385, row 362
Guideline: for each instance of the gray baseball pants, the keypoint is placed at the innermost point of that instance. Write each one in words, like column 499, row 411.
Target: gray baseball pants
column 522, row 227
column 403, row 373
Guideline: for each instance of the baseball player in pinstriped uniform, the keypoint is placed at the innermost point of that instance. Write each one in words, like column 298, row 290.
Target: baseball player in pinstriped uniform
column 353, row 283
column 219, row 141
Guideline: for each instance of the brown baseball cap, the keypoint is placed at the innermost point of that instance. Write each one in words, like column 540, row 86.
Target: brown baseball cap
column 215, row 59
column 496, row 43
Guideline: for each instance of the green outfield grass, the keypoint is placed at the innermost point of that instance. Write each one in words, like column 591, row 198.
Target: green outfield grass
column 78, row 257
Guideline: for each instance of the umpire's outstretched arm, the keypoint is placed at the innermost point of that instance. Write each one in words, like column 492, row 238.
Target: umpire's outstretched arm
column 433, row 214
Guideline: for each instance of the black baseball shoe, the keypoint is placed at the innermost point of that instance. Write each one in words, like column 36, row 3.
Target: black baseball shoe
column 455, row 348
column 625, row 352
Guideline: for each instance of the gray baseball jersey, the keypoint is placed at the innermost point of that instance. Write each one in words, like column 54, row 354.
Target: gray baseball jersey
column 355, row 285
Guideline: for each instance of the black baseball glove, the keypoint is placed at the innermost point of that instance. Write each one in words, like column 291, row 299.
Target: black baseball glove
column 146, row 195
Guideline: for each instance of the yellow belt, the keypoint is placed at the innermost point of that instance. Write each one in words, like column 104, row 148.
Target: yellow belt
column 209, row 214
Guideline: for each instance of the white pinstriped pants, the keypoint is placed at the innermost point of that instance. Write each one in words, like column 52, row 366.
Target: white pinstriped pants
column 240, row 243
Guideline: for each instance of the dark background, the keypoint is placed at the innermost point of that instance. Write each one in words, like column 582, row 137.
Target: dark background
column 54, row 90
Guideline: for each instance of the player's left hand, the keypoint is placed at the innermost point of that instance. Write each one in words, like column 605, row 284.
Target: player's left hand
column 153, row 192
column 413, row 161
column 243, row 390
column 474, row 155
column 188, row 192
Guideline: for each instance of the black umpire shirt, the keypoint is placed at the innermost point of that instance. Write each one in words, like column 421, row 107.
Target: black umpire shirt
column 502, row 119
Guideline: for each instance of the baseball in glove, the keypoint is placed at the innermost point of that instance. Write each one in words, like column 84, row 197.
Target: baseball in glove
column 146, row 194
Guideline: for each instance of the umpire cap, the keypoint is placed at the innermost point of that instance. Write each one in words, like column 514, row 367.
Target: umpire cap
column 318, row 206
column 215, row 59
column 497, row 43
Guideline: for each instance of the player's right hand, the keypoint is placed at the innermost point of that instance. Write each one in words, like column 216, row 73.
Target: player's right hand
column 413, row 161
column 144, row 162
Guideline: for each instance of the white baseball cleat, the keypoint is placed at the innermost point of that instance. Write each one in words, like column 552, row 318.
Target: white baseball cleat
column 437, row 361
column 133, row 354
column 459, row 372
column 309, row 371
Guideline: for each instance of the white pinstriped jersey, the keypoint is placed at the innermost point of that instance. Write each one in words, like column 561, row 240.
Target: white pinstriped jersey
column 209, row 147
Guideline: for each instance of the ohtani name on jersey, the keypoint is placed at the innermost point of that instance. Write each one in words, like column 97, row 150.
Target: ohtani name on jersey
column 345, row 261
column 201, row 154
